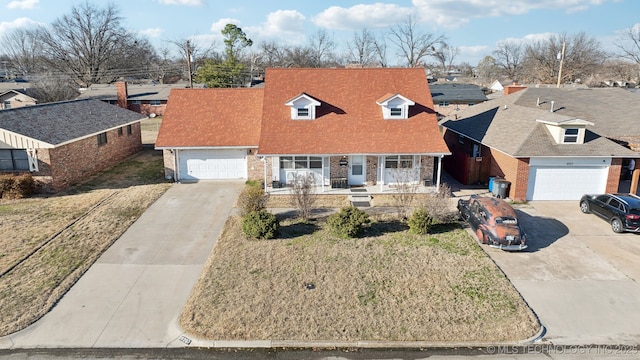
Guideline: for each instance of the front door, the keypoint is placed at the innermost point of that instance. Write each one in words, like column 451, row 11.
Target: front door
column 357, row 171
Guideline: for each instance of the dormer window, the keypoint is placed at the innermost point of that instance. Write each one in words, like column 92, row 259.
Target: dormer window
column 567, row 130
column 570, row 135
column 395, row 106
column 303, row 107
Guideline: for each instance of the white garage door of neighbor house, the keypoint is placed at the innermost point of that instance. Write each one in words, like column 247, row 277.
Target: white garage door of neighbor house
column 212, row 164
column 565, row 183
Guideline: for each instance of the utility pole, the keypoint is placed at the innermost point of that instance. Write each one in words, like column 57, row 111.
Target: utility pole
column 189, row 64
column 561, row 61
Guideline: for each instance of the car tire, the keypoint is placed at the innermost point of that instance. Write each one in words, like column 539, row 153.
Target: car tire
column 584, row 207
column 482, row 237
column 616, row 226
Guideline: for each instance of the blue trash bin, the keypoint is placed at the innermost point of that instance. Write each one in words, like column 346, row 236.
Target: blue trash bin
column 491, row 179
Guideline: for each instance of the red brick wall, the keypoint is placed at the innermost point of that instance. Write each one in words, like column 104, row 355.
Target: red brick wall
column 513, row 170
column 169, row 160
column 613, row 180
column 72, row 163
column 256, row 167
column 122, row 94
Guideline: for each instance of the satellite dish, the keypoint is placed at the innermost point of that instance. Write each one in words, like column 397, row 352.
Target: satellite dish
column 152, row 115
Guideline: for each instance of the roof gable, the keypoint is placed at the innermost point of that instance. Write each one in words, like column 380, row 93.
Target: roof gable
column 349, row 119
column 212, row 118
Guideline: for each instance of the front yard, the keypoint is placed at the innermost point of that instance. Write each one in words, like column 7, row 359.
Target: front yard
column 48, row 242
column 388, row 284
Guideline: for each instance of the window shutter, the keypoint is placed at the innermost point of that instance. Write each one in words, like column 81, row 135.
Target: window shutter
column 33, row 159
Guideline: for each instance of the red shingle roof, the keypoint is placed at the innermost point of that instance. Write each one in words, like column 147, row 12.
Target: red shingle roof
column 211, row 117
column 348, row 121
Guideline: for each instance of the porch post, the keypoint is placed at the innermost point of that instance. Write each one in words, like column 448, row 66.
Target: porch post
column 381, row 166
column 264, row 167
column 439, row 172
column 322, row 177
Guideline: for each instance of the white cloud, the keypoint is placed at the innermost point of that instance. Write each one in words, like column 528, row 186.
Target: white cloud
column 217, row 26
column 6, row 26
column 183, row 2
column 23, row 4
column 152, row 32
column 287, row 26
column 371, row 16
column 453, row 13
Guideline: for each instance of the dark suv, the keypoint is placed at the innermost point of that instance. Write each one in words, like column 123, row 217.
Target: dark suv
column 622, row 211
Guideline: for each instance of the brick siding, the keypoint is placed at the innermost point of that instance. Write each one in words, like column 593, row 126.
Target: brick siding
column 513, row 170
column 613, row 179
column 67, row 165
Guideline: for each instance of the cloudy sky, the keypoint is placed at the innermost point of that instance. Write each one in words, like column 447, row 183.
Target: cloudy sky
column 473, row 26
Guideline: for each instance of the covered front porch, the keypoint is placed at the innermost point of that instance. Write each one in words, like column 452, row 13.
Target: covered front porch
column 345, row 174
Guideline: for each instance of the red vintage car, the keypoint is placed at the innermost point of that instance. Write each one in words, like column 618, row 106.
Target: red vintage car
column 494, row 221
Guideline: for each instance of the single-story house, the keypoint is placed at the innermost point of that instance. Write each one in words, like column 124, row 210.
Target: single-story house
column 13, row 98
column 449, row 98
column 63, row 143
column 146, row 99
column 358, row 126
column 549, row 143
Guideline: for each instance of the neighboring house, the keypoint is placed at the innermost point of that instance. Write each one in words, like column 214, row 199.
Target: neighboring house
column 146, row 99
column 451, row 98
column 344, row 126
column 63, row 143
column 496, row 86
column 10, row 99
column 549, row 143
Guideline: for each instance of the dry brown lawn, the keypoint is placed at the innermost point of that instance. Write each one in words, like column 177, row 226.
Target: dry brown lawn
column 386, row 285
column 48, row 242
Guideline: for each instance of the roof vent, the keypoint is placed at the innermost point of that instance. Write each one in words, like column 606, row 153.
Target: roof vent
column 538, row 102
column 552, row 102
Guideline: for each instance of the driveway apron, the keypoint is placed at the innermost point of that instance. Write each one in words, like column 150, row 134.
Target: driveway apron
column 132, row 296
column 579, row 277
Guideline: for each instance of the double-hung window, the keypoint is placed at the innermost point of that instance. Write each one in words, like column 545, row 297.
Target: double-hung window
column 399, row 162
column 570, row 136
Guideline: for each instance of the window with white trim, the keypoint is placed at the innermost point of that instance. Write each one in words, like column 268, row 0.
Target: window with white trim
column 14, row 160
column 398, row 162
column 300, row 162
column 302, row 113
column 154, row 102
column 443, row 103
column 570, row 136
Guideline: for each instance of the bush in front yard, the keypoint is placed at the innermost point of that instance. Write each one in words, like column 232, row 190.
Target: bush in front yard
column 420, row 222
column 17, row 186
column 252, row 198
column 260, row 225
column 348, row 222
column 439, row 206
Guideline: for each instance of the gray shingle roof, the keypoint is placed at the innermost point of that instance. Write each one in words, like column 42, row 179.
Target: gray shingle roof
column 135, row 91
column 61, row 122
column 509, row 123
column 457, row 93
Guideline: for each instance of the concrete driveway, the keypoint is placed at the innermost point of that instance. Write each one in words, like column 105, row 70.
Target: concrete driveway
column 579, row 277
column 133, row 294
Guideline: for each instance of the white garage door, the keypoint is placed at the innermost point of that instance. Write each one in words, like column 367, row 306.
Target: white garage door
column 212, row 164
column 565, row 183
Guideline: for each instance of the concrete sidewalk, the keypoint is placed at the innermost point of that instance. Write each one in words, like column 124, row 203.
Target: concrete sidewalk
column 133, row 294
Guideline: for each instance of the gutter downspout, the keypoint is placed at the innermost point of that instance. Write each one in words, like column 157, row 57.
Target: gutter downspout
column 264, row 167
column 176, row 170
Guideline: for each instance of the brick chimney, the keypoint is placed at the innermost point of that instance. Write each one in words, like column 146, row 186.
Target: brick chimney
column 510, row 89
column 122, row 94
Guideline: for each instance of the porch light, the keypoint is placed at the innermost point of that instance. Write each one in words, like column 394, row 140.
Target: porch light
column 343, row 161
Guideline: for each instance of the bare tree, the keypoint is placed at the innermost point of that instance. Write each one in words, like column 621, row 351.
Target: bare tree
column 193, row 55
column 362, row 48
column 583, row 57
column 405, row 190
column 509, row 56
column 92, row 47
column 321, row 47
column 445, row 55
column 24, row 50
column 273, row 54
column 413, row 45
column 487, row 67
column 50, row 88
column 630, row 45
column 380, row 46
column 303, row 196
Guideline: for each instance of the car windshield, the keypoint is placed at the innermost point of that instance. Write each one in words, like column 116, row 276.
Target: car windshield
column 506, row 220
